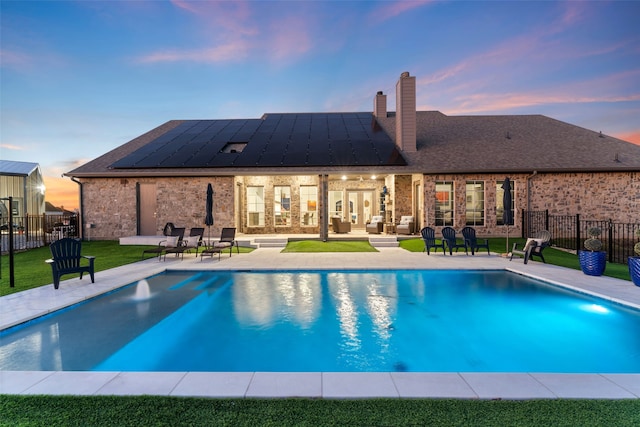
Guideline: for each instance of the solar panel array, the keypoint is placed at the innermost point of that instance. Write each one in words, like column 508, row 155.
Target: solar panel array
column 276, row 140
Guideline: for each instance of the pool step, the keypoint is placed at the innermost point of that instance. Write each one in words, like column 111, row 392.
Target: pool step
column 383, row 241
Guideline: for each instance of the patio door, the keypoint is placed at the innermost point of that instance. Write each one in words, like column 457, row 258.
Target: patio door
column 147, row 210
column 361, row 207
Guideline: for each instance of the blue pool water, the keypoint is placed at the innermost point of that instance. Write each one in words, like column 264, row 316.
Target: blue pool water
column 416, row 321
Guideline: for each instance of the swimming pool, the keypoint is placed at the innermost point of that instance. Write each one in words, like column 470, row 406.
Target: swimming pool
column 415, row 321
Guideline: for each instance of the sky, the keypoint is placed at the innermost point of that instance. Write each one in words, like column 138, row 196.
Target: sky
column 80, row 78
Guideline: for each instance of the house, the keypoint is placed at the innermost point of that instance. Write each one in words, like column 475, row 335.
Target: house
column 291, row 172
column 23, row 182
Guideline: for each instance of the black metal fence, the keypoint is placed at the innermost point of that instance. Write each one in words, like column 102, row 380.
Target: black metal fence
column 570, row 232
column 34, row 231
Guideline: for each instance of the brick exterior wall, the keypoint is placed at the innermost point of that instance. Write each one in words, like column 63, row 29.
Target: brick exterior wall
column 596, row 196
column 110, row 203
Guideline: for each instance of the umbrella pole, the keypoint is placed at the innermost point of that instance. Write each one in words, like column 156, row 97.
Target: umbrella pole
column 507, row 239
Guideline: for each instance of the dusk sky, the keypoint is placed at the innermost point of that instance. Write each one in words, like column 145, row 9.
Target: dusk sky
column 80, row 78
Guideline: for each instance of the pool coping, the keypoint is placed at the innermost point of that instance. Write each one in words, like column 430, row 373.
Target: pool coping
column 340, row 385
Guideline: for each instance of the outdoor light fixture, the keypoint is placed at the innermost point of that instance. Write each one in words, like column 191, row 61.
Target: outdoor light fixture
column 373, row 177
column 344, row 177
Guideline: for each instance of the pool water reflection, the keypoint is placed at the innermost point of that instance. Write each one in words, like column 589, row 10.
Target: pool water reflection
column 340, row 321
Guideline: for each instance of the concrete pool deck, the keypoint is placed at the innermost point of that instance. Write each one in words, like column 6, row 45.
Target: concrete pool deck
column 23, row 306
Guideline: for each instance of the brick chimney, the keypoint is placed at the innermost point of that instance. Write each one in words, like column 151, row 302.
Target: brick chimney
column 406, row 113
column 380, row 105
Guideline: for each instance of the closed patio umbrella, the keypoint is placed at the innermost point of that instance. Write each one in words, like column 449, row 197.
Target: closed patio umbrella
column 208, row 219
column 507, row 214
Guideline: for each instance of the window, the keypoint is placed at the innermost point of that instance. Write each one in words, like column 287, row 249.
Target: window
column 255, row 206
column 475, row 203
column 335, row 204
column 308, row 205
column 282, row 205
column 444, row 203
column 499, row 199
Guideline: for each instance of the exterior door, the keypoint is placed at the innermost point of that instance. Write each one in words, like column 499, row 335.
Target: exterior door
column 147, row 210
column 361, row 205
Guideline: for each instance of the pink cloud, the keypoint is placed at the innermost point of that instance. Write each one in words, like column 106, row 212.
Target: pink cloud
column 16, row 60
column 233, row 51
column 289, row 37
column 243, row 33
column 391, row 9
column 233, row 16
column 11, row 147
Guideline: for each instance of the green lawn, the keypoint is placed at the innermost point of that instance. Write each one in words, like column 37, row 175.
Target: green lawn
column 331, row 246
column 168, row 411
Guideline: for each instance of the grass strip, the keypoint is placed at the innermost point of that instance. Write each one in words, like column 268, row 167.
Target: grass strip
column 308, row 246
column 176, row 411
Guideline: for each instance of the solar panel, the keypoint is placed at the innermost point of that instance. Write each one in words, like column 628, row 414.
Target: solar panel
column 316, row 139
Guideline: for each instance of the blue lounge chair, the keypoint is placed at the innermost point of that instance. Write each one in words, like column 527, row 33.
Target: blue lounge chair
column 449, row 236
column 469, row 234
column 429, row 238
column 66, row 257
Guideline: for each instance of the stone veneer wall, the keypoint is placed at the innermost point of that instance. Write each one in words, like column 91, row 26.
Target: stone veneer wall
column 596, row 196
column 402, row 198
column 110, row 204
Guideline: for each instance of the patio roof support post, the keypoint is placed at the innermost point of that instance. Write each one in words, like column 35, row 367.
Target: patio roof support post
column 324, row 208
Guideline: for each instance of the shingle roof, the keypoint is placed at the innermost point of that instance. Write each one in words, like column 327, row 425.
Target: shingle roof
column 518, row 143
column 304, row 142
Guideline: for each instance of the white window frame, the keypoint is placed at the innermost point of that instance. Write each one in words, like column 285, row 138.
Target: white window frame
column 255, row 206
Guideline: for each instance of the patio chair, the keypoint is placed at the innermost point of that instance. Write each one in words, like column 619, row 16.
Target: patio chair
column 533, row 247
column 193, row 241
column 376, row 225
column 469, row 234
column 227, row 240
column 171, row 241
column 429, row 238
column 340, row 226
column 66, row 259
column 406, row 225
column 449, row 236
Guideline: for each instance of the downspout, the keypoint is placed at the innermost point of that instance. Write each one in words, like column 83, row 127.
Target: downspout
column 529, row 178
column 81, row 207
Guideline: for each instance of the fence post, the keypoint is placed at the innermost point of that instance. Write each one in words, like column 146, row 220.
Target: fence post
column 577, row 232
column 610, row 237
column 546, row 219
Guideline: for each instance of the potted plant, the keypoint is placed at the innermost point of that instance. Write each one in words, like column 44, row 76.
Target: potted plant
column 593, row 261
column 634, row 262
